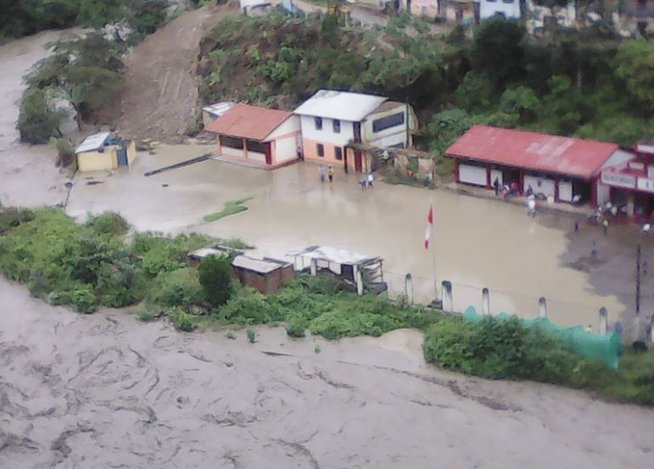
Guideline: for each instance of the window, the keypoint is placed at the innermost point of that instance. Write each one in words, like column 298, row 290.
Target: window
column 338, row 152
column 318, row 122
column 231, row 142
column 507, row 1
column 387, row 122
column 337, row 126
column 254, row 146
column 320, row 149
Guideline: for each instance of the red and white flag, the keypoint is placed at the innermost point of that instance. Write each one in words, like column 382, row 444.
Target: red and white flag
column 430, row 225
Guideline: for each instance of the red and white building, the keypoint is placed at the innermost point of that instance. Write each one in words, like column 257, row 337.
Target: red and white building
column 561, row 168
column 265, row 137
column 631, row 183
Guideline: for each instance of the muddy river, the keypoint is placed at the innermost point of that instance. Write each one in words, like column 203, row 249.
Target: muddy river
column 106, row 391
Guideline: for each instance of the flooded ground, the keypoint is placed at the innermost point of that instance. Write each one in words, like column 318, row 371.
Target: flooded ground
column 104, row 391
column 479, row 243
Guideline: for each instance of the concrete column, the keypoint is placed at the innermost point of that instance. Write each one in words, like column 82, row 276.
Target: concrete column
column 542, row 307
column 408, row 288
column 359, row 276
column 446, row 293
column 603, row 321
column 314, row 267
column 485, row 302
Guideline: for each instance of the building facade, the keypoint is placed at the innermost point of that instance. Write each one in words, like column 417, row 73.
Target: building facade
column 505, row 8
column 104, row 151
column 268, row 138
column 331, row 121
column 560, row 169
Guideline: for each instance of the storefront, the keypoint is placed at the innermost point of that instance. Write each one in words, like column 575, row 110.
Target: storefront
column 559, row 169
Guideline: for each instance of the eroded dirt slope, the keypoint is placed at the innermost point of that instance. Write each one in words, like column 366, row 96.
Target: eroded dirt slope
column 160, row 99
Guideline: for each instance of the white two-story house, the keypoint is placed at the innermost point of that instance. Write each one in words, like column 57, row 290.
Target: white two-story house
column 331, row 121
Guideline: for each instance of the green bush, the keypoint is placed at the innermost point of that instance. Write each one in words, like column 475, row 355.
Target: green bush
column 182, row 320
column 38, row 121
column 246, row 306
column 296, row 326
column 146, row 315
column 179, row 287
column 108, row 223
column 216, row 279
column 251, row 336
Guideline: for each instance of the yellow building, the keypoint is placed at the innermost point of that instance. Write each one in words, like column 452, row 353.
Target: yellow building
column 102, row 151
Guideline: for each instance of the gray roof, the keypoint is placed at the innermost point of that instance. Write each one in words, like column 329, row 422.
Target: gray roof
column 93, row 142
column 341, row 105
column 262, row 266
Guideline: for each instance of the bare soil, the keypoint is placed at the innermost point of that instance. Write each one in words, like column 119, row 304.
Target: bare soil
column 160, row 98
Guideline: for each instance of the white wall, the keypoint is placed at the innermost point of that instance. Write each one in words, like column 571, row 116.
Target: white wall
column 488, row 8
column 565, row 191
column 259, row 157
column 496, row 174
column 292, row 124
column 546, row 186
column 285, row 149
column 327, row 134
column 387, row 137
column 472, row 174
column 603, row 193
column 227, row 151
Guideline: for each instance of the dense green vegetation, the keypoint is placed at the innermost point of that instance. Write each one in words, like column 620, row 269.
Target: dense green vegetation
column 87, row 72
column 91, row 264
column 25, row 17
column 232, row 207
column 586, row 83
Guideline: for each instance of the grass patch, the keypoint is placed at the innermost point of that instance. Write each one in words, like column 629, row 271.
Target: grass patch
column 231, row 207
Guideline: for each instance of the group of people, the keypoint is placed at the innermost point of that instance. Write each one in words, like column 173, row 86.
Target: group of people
column 329, row 172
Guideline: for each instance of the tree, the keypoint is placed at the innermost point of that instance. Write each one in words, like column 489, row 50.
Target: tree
column 521, row 102
column 498, row 52
column 216, row 279
column 38, row 120
column 635, row 65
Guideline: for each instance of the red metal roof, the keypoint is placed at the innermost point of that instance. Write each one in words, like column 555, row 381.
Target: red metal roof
column 252, row 122
column 531, row 150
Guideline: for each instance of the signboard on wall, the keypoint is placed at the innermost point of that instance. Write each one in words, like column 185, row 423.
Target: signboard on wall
column 619, row 180
column 645, row 184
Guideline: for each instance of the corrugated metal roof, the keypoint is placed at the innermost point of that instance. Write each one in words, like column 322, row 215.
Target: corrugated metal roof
column 257, row 265
column 331, row 254
column 531, row 150
column 93, row 142
column 218, row 109
column 341, row 105
column 252, row 122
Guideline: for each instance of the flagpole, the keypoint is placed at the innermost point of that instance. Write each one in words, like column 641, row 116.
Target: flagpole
column 433, row 254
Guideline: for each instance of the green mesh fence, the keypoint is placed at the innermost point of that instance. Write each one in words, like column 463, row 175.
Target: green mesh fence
column 604, row 348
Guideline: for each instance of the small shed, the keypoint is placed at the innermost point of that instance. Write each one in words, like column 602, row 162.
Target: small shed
column 358, row 271
column 266, row 275
column 214, row 112
column 104, row 151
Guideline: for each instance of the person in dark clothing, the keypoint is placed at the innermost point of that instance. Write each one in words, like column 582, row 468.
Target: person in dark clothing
column 496, row 185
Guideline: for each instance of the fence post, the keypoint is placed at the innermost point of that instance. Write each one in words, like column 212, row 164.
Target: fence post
column 314, row 267
column 542, row 307
column 359, row 282
column 485, row 302
column 603, row 320
column 446, row 292
column 408, row 288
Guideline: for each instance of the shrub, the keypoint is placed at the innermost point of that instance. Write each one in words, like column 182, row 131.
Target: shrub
column 296, row 326
column 216, row 279
column 65, row 151
column 247, row 306
column 251, row 336
column 181, row 319
column 38, row 121
column 177, row 288
column 109, row 223
column 146, row 316
column 230, row 335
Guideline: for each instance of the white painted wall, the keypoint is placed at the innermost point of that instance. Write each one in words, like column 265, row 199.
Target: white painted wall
column 233, row 152
column 490, row 8
column 603, row 193
column 540, row 185
column 327, row 134
column 472, row 174
column 565, row 191
column 496, row 174
column 292, row 124
column 285, row 149
column 394, row 135
column 259, row 157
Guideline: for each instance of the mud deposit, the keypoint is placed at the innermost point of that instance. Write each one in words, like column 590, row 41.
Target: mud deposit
column 104, row 391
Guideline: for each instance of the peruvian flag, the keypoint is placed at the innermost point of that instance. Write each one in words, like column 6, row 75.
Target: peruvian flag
column 430, row 225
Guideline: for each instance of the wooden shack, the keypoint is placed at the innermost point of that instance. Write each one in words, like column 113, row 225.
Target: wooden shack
column 266, row 275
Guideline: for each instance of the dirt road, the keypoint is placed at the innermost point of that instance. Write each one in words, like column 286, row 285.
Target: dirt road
column 160, row 99
column 103, row 391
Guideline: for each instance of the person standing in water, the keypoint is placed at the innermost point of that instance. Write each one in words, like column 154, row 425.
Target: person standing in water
column 331, row 173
